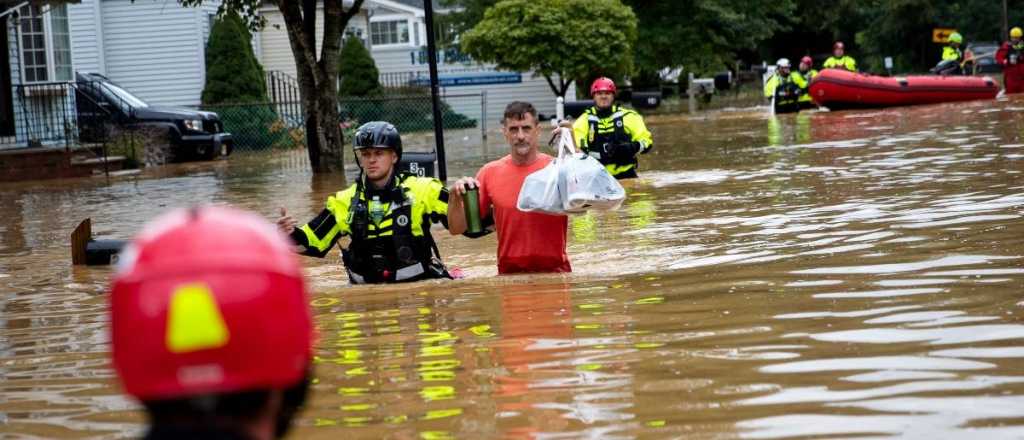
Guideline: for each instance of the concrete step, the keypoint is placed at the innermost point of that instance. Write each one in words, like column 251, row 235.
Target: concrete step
column 97, row 161
column 128, row 172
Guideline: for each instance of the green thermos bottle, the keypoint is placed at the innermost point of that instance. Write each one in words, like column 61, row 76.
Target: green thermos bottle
column 471, row 202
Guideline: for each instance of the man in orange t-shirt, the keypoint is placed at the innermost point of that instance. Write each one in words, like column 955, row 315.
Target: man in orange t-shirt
column 527, row 241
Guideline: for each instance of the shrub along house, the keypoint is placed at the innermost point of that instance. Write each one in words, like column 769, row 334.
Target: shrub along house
column 395, row 33
column 153, row 48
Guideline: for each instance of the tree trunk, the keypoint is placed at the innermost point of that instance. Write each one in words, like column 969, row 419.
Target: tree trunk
column 561, row 88
column 318, row 77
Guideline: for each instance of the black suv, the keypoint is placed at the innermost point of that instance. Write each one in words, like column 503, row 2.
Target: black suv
column 103, row 105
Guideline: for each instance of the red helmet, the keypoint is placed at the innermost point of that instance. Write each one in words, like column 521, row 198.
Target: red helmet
column 602, row 84
column 209, row 300
column 807, row 60
column 838, row 45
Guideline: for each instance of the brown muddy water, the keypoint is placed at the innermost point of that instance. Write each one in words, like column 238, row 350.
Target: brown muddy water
column 848, row 274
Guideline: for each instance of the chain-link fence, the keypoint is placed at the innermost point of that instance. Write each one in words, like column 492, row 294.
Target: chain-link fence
column 280, row 125
column 262, row 126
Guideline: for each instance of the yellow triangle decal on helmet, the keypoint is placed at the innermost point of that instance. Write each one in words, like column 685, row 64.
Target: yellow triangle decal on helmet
column 194, row 321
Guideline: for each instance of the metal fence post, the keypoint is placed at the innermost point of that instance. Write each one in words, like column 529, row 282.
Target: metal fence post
column 690, row 91
column 483, row 115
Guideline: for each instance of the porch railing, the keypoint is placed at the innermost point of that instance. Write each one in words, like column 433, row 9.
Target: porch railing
column 47, row 113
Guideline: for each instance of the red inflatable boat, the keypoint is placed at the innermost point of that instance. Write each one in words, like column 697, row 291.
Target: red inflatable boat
column 839, row 89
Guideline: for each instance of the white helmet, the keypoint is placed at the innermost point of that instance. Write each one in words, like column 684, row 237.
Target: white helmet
column 783, row 62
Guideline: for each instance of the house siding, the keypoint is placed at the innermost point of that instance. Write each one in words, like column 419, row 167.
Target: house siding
column 275, row 51
column 155, row 49
column 86, row 36
column 15, row 61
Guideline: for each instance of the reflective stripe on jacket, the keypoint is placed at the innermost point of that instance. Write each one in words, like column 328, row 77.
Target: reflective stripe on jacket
column 381, row 226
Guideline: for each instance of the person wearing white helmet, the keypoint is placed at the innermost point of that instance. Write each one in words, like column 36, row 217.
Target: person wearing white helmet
column 783, row 88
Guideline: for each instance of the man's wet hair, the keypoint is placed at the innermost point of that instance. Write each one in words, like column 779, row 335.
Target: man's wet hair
column 519, row 110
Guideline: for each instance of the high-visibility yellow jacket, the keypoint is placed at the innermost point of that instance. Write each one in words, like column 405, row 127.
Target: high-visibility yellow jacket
column 803, row 80
column 786, row 91
column 950, row 53
column 846, row 62
column 599, row 133
column 390, row 229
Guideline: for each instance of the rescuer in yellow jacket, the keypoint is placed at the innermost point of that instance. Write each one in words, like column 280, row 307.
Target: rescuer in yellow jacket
column 953, row 52
column 783, row 89
column 954, row 61
column 612, row 134
column 386, row 213
column 802, row 77
column 839, row 59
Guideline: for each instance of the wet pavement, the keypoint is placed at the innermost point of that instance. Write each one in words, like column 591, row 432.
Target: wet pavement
column 846, row 274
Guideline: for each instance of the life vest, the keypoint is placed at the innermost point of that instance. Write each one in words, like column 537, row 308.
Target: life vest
column 1015, row 52
column 374, row 256
column 787, row 94
column 803, row 80
column 610, row 130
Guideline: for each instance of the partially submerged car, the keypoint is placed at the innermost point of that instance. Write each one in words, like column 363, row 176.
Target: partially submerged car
column 103, row 105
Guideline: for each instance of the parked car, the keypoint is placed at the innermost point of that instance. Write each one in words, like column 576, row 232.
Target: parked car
column 103, row 105
column 984, row 56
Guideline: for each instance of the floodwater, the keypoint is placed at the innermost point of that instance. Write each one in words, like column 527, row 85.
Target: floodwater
column 847, row 274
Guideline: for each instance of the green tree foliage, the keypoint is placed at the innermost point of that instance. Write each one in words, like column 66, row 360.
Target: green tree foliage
column 562, row 40
column 233, row 74
column 902, row 29
column 704, row 36
column 463, row 14
column 356, row 69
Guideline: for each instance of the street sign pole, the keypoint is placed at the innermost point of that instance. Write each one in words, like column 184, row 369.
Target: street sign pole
column 428, row 12
column 1006, row 24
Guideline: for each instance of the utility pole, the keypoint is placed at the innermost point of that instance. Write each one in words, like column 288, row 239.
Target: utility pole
column 428, row 15
column 1006, row 24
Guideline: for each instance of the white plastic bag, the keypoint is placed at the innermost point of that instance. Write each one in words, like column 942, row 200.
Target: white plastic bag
column 589, row 185
column 541, row 191
column 574, row 182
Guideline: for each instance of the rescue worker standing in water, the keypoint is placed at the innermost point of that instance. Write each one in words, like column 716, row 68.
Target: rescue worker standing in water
column 802, row 77
column 783, row 88
column 839, row 59
column 1011, row 56
column 612, row 134
column 387, row 214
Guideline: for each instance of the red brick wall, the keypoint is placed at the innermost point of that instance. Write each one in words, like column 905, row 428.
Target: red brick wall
column 35, row 164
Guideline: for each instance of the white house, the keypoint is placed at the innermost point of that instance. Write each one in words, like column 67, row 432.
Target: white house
column 154, row 48
column 395, row 33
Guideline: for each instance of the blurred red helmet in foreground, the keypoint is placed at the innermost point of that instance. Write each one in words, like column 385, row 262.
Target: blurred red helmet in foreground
column 209, row 300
